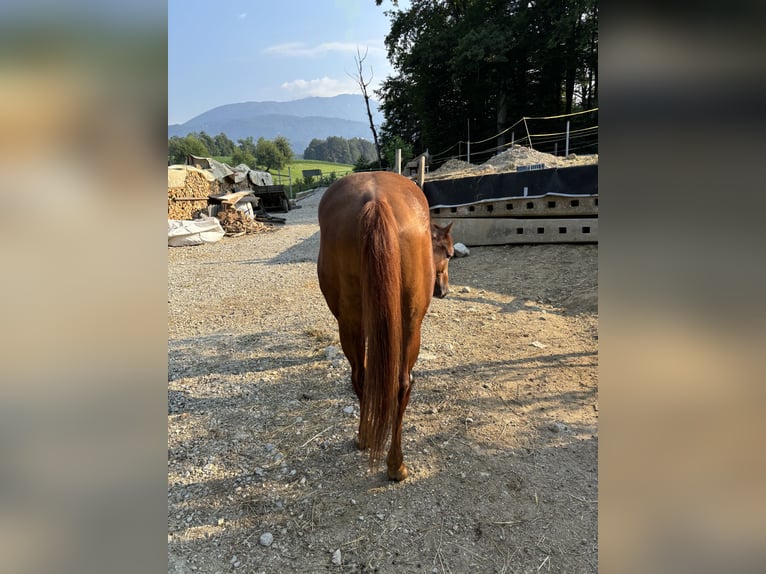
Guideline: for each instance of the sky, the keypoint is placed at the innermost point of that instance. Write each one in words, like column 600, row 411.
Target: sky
column 230, row 51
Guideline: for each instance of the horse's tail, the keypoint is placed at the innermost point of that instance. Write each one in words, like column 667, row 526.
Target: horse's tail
column 382, row 320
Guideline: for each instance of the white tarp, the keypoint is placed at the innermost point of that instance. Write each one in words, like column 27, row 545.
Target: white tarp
column 238, row 174
column 194, row 232
column 260, row 177
column 219, row 170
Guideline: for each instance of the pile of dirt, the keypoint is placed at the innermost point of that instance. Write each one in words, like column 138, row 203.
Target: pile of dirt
column 507, row 161
column 458, row 168
column 452, row 165
column 187, row 182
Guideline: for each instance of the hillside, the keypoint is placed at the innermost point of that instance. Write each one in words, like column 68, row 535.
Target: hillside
column 299, row 121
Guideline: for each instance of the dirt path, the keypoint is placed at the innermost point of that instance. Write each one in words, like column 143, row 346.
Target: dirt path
column 500, row 436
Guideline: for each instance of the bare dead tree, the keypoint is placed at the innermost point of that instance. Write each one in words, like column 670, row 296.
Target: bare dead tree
column 359, row 78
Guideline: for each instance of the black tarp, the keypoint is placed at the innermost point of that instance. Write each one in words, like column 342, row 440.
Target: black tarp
column 578, row 180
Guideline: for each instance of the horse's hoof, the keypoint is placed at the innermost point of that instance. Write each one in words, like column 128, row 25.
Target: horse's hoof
column 399, row 474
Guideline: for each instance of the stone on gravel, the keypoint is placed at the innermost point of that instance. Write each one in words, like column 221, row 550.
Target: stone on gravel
column 266, row 539
column 336, row 557
column 461, row 250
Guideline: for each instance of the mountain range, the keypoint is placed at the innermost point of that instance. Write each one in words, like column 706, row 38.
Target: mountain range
column 299, row 121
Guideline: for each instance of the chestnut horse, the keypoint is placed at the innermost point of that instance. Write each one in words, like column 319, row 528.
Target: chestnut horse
column 380, row 262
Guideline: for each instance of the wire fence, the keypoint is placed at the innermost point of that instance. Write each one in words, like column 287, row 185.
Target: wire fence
column 559, row 135
column 295, row 184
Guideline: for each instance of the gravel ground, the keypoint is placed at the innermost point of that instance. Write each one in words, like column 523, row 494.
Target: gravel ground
column 500, row 435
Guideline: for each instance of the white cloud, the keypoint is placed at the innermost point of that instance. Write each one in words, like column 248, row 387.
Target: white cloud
column 242, row 16
column 299, row 49
column 323, row 87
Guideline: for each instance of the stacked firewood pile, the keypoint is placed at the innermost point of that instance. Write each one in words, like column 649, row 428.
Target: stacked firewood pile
column 236, row 223
column 188, row 189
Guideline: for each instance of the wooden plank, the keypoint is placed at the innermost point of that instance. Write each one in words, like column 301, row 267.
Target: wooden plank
column 504, row 231
column 545, row 206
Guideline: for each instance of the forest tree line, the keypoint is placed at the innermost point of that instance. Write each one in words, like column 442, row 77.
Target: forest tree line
column 487, row 63
column 340, row 150
column 268, row 154
column 262, row 154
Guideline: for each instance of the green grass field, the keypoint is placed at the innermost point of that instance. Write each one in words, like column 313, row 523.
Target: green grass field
column 298, row 165
column 326, row 166
column 296, row 173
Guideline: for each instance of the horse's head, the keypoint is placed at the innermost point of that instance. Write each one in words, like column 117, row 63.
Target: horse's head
column 443, row 252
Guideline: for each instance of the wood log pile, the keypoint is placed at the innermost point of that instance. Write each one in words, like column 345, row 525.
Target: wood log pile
column 185, row 183
column 236, row 223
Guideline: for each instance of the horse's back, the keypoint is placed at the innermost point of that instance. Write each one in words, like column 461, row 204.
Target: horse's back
column 344, row 200
column 341, row 207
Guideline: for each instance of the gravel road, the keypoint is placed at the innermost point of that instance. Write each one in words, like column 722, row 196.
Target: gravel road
column 500, row 435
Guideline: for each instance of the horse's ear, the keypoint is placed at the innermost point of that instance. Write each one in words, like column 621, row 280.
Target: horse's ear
column 438, row 232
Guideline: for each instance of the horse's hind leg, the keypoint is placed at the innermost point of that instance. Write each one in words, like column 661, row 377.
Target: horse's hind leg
column 352, row 341
column 397, row 470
